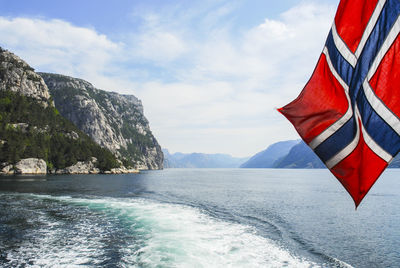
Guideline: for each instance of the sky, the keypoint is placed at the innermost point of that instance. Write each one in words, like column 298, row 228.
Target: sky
column 210, row 74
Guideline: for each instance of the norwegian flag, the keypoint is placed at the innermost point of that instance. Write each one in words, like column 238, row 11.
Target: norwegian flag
column 349, row 110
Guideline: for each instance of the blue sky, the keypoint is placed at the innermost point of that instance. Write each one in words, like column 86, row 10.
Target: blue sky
column 210, row 73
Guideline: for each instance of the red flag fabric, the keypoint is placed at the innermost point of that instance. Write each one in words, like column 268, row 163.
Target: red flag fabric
column 349, row 110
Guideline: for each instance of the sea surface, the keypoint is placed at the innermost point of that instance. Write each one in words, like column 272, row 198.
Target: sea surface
column 198, row 218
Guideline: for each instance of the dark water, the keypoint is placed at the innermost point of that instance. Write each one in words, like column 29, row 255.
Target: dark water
column 198, row 218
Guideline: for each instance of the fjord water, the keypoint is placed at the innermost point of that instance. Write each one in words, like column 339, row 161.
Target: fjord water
column 198, row 218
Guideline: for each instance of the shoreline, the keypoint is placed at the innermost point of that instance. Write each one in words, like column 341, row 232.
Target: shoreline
column 35, row 166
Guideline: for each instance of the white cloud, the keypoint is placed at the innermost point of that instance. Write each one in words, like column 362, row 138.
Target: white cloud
column 159, row 46
column 206, row 86
column 260, row 69
column 58, row 46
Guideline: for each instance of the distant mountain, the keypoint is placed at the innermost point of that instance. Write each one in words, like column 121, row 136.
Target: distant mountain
column 292, row 154
column 395, row 162
column 299, row 156
column 267, row 158
column 200, row 160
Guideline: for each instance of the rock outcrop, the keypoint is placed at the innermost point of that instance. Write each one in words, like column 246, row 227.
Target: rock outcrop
column 31, row 166
column 81, row 167
column 122, row 170
column 16, row 75
column 112, row 120
column 6, row 169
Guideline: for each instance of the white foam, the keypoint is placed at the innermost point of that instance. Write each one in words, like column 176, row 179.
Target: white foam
column 166, row 235
column 182, row 236
column 57, row 247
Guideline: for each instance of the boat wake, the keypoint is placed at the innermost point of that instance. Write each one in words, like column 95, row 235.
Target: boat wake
column 67, row 231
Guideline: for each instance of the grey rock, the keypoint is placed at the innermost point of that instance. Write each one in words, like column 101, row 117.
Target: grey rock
column 72, row 135
column 94, row 171
column 16, row 75
column 41, row 130
column 123, row 170
column 81, row 167
column 23, row 127
column 6, row 169
column 31, row 166
column 112, row 120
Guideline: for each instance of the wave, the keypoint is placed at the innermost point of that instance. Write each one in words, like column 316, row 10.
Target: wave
column 141, row 233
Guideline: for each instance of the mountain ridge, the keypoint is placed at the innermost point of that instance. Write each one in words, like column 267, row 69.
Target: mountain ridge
column 267, row 157
column 300, row 156
column 201, row 160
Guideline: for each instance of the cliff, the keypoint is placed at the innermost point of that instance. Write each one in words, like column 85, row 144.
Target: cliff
column 34, row 137
column 112, row 120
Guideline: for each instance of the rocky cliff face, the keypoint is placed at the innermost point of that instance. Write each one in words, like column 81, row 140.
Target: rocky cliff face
column 17, row 76
column 112, row 120
column 34, row 137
